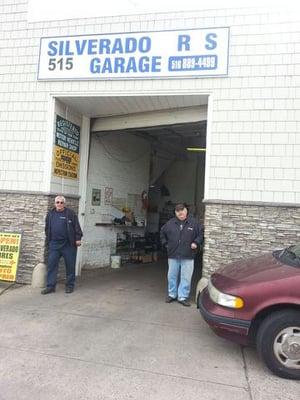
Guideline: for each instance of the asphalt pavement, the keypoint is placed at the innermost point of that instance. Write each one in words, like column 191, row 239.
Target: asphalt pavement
column 115, row 338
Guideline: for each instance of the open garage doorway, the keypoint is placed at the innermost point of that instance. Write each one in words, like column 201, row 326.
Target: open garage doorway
column 147, row 153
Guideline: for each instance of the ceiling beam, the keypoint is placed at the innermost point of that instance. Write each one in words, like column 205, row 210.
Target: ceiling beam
column 152, row 118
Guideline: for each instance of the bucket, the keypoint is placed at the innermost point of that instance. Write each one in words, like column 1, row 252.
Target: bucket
column 115, row 261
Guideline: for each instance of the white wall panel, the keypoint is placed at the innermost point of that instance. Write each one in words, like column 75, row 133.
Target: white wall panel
column 260, row 96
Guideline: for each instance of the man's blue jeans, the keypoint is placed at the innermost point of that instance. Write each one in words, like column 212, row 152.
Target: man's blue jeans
column 66, row 251
column 180, row 271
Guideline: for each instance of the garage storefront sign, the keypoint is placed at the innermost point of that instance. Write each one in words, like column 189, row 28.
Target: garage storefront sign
column 66, row 149
column 184, row 53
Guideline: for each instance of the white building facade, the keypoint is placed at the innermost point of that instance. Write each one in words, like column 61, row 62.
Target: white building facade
column 251, row 110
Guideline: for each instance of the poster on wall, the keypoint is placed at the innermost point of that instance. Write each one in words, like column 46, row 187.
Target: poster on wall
column 96, row 197
column 66, row 149
column 10, row 244
column 108, row 196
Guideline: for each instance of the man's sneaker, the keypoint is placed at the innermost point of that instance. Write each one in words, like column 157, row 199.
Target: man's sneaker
column 170, row 299
column 48, row 290
column 184, row 302
column 69, row 289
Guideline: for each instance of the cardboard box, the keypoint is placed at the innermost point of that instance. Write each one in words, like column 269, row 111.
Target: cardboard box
column 146, row 258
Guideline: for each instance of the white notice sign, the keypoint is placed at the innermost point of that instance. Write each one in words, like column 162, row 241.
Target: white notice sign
column 184, row 53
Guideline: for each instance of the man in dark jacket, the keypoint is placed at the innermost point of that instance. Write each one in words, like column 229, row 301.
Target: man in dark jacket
column 182, row 236
column 63, row 233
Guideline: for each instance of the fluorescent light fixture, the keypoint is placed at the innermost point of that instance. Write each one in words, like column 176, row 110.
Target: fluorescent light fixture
column 196, row 149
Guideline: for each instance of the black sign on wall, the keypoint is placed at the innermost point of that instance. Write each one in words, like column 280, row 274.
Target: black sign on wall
column 67, row 134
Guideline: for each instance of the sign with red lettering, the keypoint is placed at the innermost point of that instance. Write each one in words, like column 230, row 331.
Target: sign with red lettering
column 10, row 244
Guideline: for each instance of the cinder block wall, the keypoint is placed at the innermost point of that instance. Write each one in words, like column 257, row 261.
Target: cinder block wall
column 121, row 162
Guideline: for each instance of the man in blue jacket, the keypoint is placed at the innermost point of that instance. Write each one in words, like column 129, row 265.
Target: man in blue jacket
column 63, row 233
column 182, row 236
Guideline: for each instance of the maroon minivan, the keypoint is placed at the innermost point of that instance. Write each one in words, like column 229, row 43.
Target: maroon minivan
column 258, row 301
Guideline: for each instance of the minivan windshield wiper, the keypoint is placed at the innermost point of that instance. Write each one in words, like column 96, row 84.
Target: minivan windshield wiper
column 295, row 249
column 288, row 252
column 289, row 255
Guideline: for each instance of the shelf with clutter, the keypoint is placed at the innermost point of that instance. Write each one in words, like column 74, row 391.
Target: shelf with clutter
column 135, row 248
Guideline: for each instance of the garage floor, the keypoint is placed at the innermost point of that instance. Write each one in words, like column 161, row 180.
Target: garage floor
column 115, row 338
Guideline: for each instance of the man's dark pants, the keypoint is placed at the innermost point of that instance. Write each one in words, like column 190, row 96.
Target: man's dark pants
column 56, row 251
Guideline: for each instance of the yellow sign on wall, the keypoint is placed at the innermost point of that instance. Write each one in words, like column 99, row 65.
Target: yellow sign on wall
column 10, row 244
column 65, row 163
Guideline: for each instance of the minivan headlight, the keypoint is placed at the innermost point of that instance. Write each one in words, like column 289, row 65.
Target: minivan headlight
column 223, row 299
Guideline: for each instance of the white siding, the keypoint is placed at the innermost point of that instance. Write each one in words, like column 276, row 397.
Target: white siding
column 255, row 110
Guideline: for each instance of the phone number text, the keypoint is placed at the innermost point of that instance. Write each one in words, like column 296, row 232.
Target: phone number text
column 193, row 63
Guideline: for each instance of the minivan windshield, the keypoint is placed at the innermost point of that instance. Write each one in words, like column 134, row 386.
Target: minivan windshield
column 289, row 256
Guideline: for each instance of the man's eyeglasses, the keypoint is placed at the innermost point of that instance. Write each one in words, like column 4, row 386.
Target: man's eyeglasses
column 59, row 202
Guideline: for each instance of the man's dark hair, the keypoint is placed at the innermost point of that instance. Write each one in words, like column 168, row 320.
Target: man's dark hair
column 180, row 206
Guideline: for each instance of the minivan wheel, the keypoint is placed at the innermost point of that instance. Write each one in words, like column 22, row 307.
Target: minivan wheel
column 278, row 343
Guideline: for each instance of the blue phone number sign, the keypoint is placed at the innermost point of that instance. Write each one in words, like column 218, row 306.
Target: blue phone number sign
column 193, row 63
column 185, row 53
